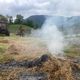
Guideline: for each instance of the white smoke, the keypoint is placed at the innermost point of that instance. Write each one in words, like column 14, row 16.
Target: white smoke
column 52, row 37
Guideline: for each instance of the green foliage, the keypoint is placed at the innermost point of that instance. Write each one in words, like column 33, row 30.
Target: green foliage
column 19, row 19
column 30, row 23
column 13, row 28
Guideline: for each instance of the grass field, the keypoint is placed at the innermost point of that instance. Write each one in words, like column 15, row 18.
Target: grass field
column 21, row 48
column 13, row 28
column 15, row 48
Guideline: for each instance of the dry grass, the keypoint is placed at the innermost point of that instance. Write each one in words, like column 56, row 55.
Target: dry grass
column 22, row 48
column 5, row 58
column 29, row 48
column 72, row 51
column 56, row 69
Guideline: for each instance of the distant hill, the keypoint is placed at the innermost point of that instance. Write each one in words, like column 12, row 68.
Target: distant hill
column 37, row 20
column 70, row 25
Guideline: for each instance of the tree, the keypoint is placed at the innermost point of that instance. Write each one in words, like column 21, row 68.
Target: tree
column 36, row 26
column 19, row 19
column 30, row 23
column 10, row 19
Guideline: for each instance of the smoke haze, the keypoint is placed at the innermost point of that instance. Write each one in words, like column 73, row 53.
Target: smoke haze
column 52, row 37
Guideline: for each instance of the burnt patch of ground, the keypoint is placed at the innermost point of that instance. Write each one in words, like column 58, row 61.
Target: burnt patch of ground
column 25, row 63
column 36, row 76
column 42, row 68
column 75, row 65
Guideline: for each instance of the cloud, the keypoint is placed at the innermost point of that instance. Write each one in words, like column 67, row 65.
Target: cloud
column 37, row 7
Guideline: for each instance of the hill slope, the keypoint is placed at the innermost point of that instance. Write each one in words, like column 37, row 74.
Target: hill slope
column 69, row 25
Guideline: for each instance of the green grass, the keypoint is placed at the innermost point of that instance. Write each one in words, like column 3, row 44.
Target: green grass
column 13, row 28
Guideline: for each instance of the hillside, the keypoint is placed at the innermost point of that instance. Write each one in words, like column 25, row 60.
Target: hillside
column 69, row 25
column 13, row 28
column 37, row 20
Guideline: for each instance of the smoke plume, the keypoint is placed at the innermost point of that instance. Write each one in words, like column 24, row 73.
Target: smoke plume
column 51, row 36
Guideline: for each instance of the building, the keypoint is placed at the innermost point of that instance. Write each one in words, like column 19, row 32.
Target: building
column 3, row 26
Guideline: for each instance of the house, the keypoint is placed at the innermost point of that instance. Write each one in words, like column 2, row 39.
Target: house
column 3, row 26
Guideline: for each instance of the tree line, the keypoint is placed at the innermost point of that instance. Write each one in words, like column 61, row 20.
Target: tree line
column 18, row 20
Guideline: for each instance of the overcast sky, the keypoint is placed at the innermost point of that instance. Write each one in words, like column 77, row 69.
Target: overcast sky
column 36, row 7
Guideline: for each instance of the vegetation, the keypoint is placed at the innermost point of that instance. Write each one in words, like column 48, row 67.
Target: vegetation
column 5, row 58
column 13, row 28
column 72, row 50
column 19, row 20
column 29, row 23
column 2, row 48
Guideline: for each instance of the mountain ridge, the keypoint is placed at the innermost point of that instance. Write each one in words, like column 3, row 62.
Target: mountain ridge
column 66, row 24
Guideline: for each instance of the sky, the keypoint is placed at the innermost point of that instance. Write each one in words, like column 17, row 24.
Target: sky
column 40, row 7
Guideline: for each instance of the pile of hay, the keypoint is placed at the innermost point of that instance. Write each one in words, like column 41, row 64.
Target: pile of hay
column 55, row 68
